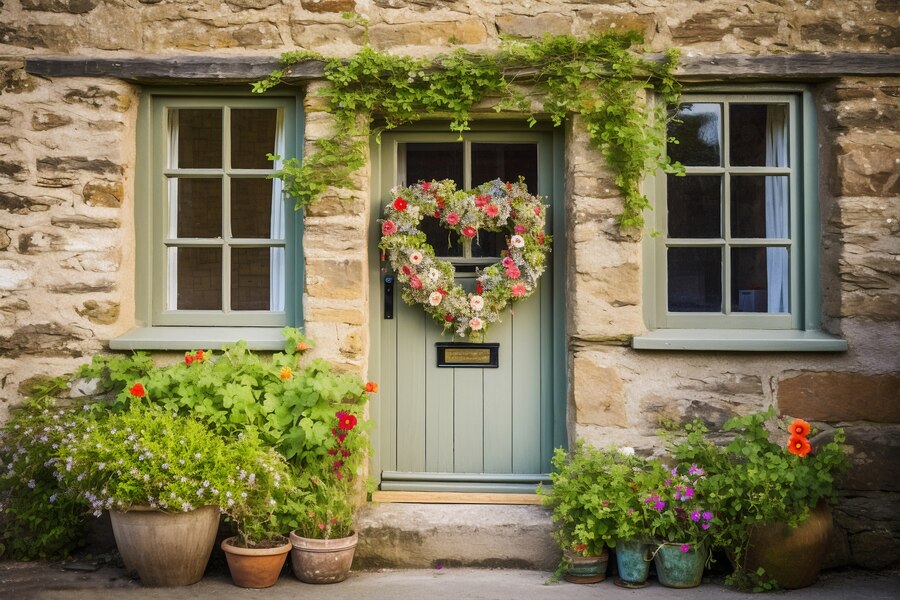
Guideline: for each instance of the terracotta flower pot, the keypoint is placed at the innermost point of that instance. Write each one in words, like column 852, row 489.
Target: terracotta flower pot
column 322, row 561
column 792, row 556
column 165, row 549
column 586, row 569
column 255, row 567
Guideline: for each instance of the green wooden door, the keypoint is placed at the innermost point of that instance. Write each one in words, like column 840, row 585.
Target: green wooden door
column 466, row 429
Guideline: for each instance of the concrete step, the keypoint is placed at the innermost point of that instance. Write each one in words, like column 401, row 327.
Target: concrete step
column 415, row 536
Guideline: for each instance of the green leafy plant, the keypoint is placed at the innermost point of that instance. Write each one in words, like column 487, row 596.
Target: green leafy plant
column 754, row 480
column 602, row 78
column 36, row 521
column 681, row 513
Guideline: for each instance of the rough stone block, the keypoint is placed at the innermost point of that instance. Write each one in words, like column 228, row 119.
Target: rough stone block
column 714, row 25
column 103, row 193
column 96, row 97
column 64, row 171
column 328, row 6
column 61, row 6
column 468, row 31
column 43, row 339
column 871, row 305
column 20, row 36
column 599, row 392
column 83, row 222
column 103, row 312
column 867, row 170
column 339, row 39
column 43, row 120
column 840, row 396
column 22, row 205
column 13, row 170
column 872, row 451
column 527, row 26
column 239, row 5
column 14, row 276
column 338, row 279
column 843, row 34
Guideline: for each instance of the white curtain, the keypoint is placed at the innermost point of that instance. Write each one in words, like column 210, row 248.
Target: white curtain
column 777, row 208
column 172, row 225
column 276, row 255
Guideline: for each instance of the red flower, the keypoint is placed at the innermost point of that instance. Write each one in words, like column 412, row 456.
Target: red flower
column 388, row 228
column 448, row 317
column 341, row 437
column 337, row 465
column 479, row 287
column 406, row 270
column 345, row 453
column 513, row 272
column 799, row 427
column 537, row 210
column 452, row 218
column 371, row 387
column 415, row 282
column 439, row 200
column 188, row 359
column 518, row 290
column 426, row 186
column 441, row 291
column 138, row 390
column 346, row 421
column 400, row 204
column 540, row 238
column 199, row 356
column 491, row 210
column 799, row 445
column 482, row 200
column 332, row 451
column 469, row 231
column 508, row 186
column 437, row 214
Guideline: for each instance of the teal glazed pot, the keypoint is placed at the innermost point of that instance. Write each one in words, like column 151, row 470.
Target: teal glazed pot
column 586, row 569
column 633, row 561
column 677, row 569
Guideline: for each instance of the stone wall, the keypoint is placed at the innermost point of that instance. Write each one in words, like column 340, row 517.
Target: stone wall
column 66, row 203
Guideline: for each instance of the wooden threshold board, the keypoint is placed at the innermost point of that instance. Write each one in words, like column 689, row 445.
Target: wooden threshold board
column 455, row 498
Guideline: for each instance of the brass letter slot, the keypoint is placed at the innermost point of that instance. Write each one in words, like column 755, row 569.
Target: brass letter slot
column 467, row 355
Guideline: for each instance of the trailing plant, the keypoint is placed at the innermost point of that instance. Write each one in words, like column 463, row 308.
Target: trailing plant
column 602, row 78
column 754, row 480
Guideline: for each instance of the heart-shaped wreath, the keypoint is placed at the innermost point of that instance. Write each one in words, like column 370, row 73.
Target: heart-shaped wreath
column 429, row 281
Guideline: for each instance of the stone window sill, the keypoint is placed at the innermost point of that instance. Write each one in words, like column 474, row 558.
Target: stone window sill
column 195, row 338
column 739, row 340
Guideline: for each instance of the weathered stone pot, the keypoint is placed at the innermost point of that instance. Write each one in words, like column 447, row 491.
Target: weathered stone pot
column 586, row 569
column 165, row 549
column 322, row 561
column 255, row 567
column 633, row 562
column 677, row 569
column 792, row 556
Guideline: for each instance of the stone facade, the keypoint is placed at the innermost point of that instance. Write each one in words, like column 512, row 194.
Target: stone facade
column 67, row 166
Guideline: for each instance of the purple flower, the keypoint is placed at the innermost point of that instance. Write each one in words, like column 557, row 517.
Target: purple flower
column 659, row 505
column 707, row 516
column 685, row 547
column 687, row 493
column 695, row 470
column 705, row 526
column 674, row 471
column 695, row 516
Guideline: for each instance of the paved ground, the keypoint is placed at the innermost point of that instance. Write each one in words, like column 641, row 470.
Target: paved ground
column 50, row 581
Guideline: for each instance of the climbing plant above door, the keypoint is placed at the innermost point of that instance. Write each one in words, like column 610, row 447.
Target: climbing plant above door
column 428, row 281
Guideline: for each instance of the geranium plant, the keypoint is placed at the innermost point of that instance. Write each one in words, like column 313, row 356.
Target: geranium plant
column 428, row 281
column 769, row 471
column 680, row 512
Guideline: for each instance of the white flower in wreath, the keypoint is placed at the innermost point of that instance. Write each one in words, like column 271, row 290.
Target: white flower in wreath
column 475, row 324
column 477, row 303
column 415, row 257
column 517, row 241
column 433, row 274
column 435, row 298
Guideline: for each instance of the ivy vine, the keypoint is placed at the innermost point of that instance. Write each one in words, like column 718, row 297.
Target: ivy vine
column 602, row 78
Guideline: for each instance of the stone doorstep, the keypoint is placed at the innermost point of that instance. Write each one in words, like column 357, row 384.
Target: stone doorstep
column 423, row 536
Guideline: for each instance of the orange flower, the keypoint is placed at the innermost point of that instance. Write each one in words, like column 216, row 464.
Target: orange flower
column 799, row 427
column 138, row 390
column 799, row 445
column 301, row 346
column 372, row 387
column 285, row 373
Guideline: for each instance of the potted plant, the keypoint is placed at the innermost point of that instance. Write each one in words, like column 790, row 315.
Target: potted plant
column 772, row 485
column 164, row 479
column 683, row 522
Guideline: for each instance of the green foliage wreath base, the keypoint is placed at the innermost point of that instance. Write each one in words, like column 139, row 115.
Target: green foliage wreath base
column 603, row 78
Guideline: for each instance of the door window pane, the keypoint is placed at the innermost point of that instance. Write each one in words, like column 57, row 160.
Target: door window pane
column 199, row 208
column 506, row 161
column 251, row 208
column 439, row 161
column 252, row 137
column 694, row 206
column 759, row 206
column 250, row 278
column 698, row 130
column 695, row 279
column 199, row 281
column 199, row 135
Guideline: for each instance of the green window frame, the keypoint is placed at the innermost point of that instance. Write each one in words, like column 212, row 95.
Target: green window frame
column 164, row 239
column 797, row 326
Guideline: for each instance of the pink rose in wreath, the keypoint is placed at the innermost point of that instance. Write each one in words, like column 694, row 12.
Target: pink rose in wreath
column 388, row 228
column 469, row 231
column 415, row 282
column 453, row 218
column 518, row 290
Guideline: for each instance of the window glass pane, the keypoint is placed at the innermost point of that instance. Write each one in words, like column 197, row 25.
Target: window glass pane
column 251, row 270
column 251, row 209
column 252, row 137
column 699, row 135
column 425, row 162
column 444, row 241
column 695, row 279
column 759, row 206
column 488, row 243
column 199, row 208
column 694, row 206
column 506, row 161
column 199, row 280
column 199, row 135
column 759, row 280
column 758, row 135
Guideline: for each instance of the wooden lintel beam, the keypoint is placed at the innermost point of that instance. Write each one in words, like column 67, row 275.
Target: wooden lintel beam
column 237, row 69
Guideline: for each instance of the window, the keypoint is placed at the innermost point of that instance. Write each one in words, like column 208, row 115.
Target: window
column 215, row 235
column 737, row 247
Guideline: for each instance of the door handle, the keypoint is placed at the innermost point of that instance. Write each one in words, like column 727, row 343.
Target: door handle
column 388, row 297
